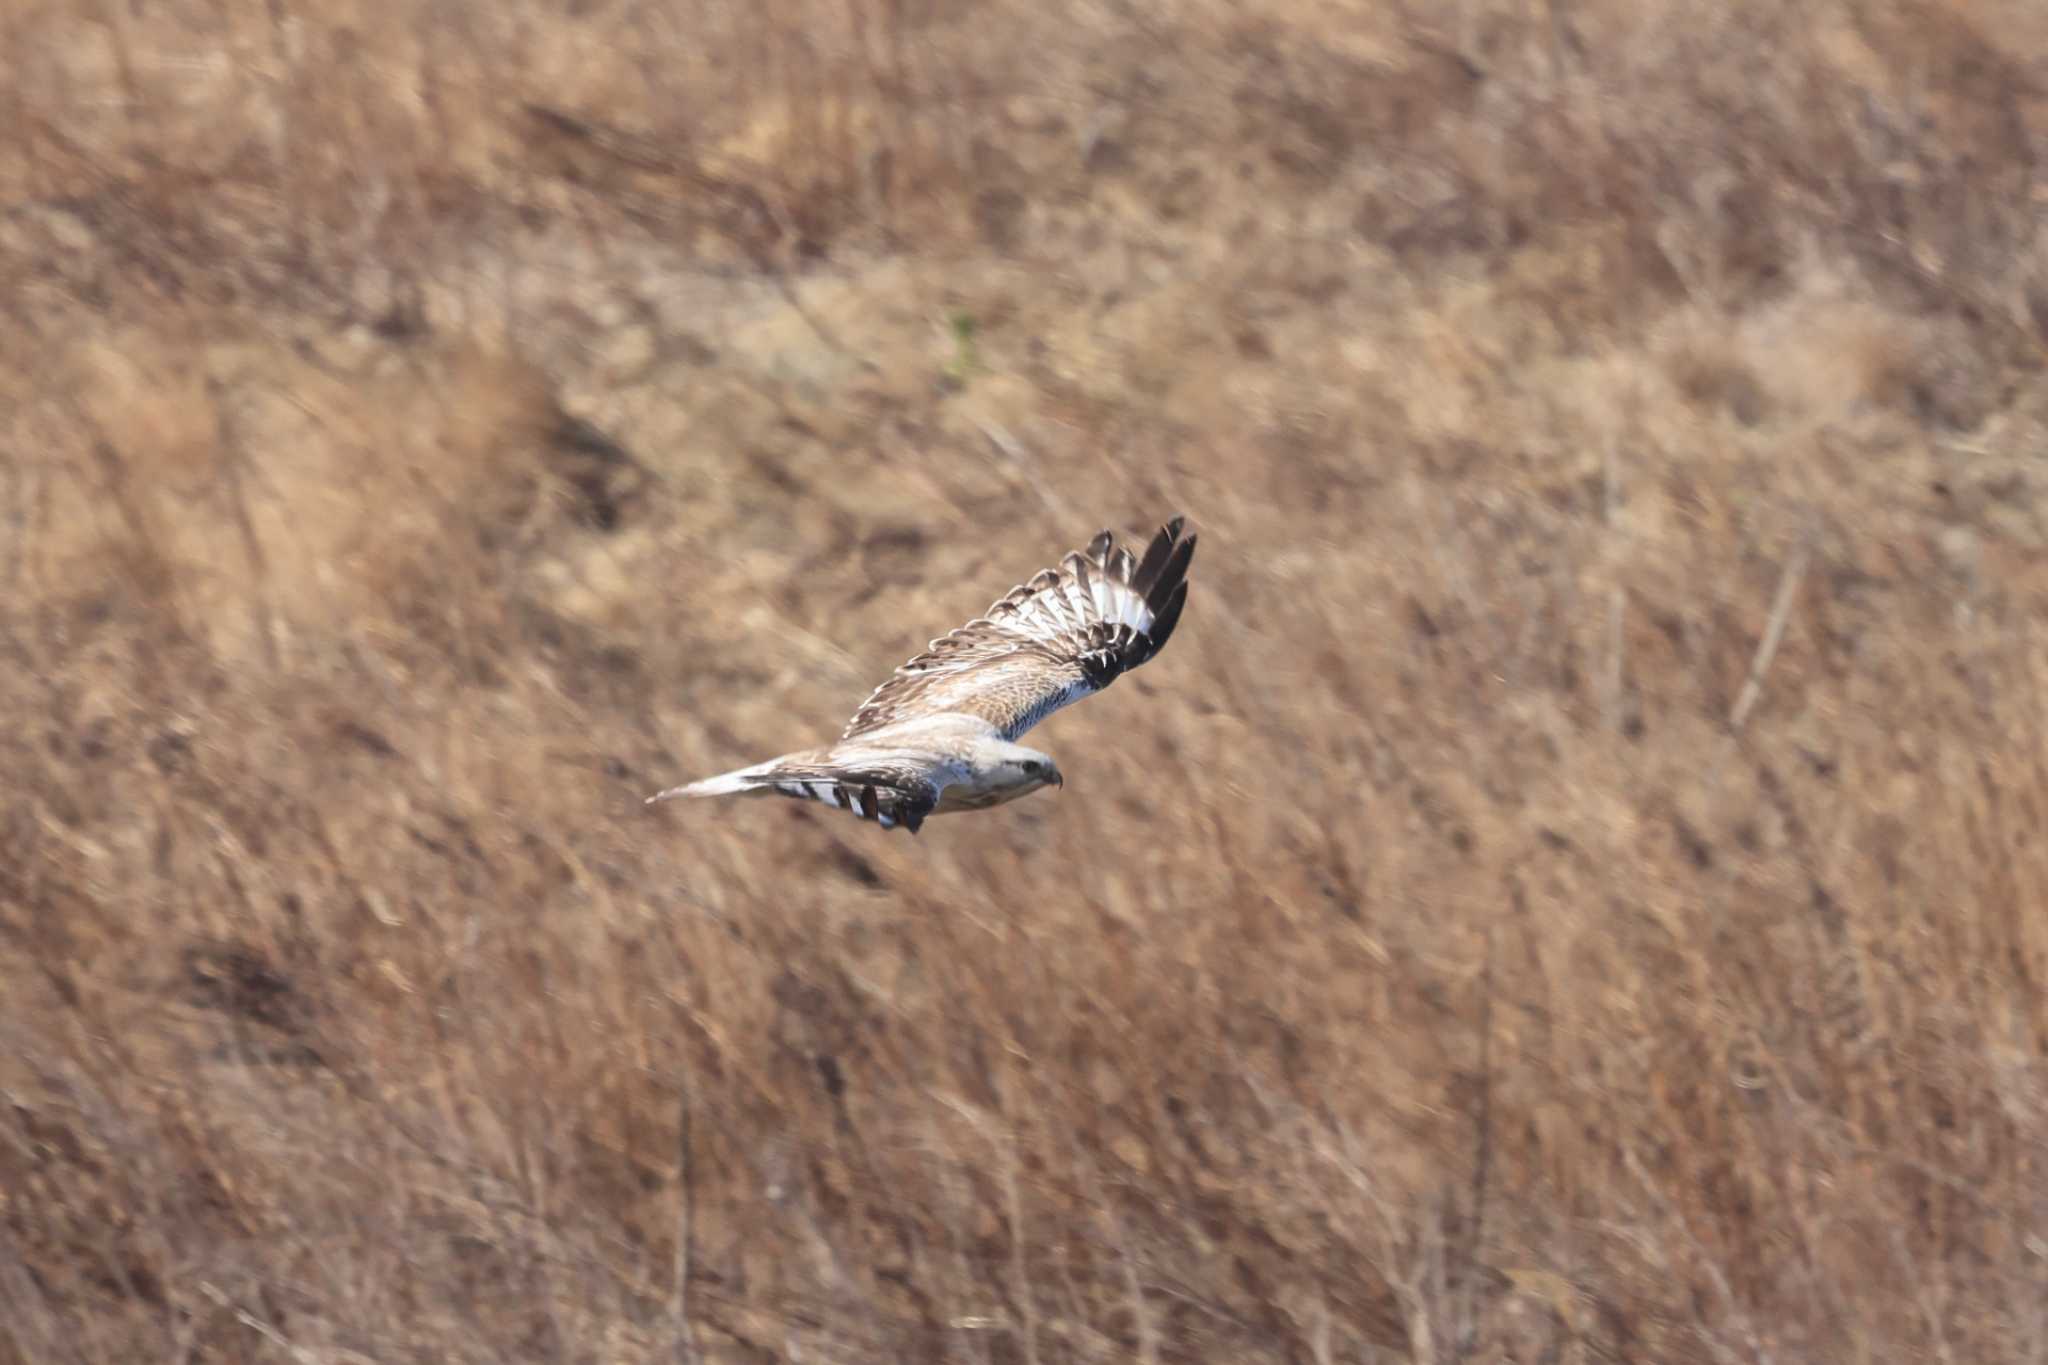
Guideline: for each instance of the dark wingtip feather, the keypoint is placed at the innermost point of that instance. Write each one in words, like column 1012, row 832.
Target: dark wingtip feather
column 869, row 805
column 1099, row 546
column 1155, row 558
column 1167, row 618
column 1170, row 576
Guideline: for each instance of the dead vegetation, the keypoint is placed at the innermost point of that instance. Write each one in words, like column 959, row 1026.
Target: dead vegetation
column 1571, row 892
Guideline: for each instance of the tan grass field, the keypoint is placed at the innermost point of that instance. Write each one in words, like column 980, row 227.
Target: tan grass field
column 1575, row 889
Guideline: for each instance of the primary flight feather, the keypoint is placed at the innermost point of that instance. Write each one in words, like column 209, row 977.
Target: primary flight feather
column 940, row 735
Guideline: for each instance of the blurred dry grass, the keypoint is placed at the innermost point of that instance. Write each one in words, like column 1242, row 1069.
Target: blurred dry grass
column 426, row 428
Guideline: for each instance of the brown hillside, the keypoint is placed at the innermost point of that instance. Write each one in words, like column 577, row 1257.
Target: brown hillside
column 1575, row 888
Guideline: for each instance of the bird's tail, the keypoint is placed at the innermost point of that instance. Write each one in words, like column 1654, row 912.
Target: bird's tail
column 758, row 780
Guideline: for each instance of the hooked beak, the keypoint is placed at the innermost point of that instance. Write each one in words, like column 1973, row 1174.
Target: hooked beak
column 1056, row 779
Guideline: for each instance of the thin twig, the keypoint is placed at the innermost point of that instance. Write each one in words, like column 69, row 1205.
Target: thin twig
column 1617, row 603
column 786, row 287
column 259, row 1326
column 686, row 1341
column 1774, row 631
column 1019, row 1269
column 1730, row 1305
column 1465, row 1332
column 1006, row 444
column 233, row 460
column 1610, row 483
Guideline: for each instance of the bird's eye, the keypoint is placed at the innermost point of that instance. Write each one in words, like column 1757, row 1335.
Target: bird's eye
column 1031, row 767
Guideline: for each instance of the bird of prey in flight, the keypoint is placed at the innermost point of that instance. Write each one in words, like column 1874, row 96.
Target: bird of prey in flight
column 940, row 735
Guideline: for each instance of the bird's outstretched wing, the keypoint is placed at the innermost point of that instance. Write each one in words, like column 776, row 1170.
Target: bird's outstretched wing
column 1064, row 635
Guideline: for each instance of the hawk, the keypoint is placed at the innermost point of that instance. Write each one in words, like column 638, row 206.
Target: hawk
column 940, row 735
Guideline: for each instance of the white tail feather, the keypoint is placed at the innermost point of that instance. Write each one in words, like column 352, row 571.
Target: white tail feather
column 752, row 781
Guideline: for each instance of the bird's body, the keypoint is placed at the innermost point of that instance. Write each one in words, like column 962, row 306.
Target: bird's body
column 940, row 735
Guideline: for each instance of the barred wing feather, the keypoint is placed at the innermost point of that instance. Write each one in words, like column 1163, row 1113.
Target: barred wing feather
column 890, row 795
column 1065, row 634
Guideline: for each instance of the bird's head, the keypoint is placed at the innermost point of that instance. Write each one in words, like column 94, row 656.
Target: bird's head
column 1026, row 769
